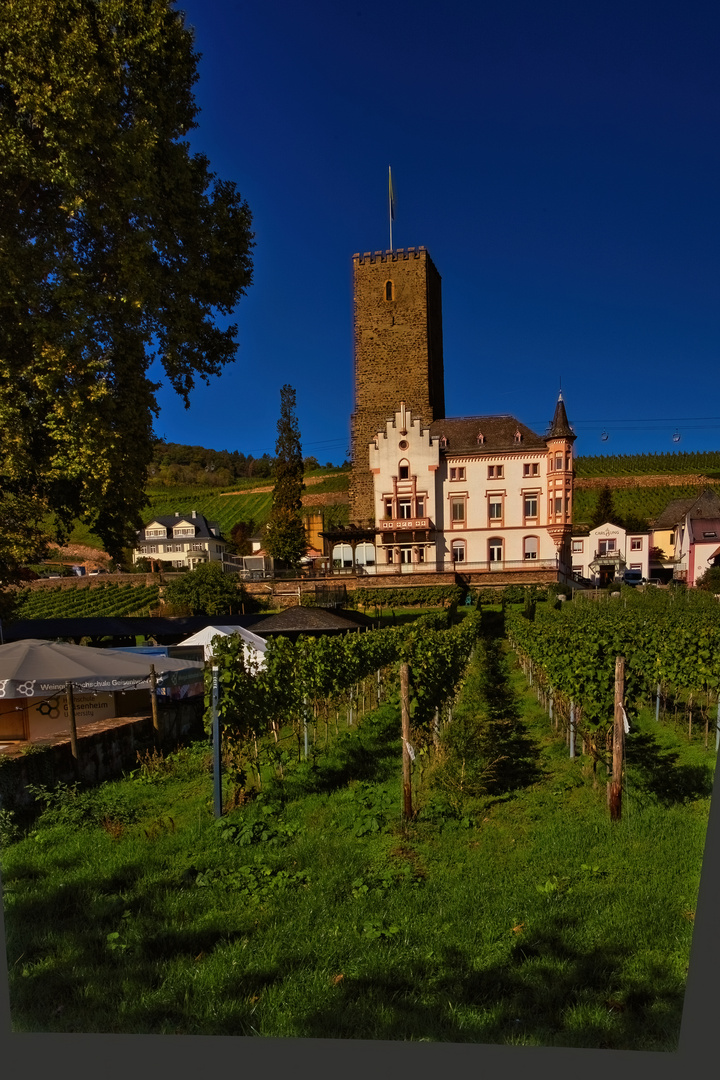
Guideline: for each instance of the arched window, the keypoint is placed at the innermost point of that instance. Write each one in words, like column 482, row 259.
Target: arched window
column 342, row 555
column 495, row 550
column 404, row 469
column 458, row 551
column 443, row 441
column 530, row 547
column 365, row 554
column 389, row 290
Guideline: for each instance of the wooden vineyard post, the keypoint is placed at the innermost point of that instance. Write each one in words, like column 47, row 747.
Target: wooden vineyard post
column 405, row 717
column 73, row 726
column 618, row 754
column 217, row 758
column 153, row 702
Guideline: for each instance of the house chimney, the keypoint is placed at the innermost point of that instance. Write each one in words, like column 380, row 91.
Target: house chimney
column 194, row 513
column 177, row 513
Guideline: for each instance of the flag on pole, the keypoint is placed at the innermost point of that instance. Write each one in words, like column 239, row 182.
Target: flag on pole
column 391, row 194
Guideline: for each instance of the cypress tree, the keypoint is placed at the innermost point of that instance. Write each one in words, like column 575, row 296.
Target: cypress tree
column 285, row 532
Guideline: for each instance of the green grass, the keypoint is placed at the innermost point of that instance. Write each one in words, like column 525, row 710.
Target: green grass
column 528, row 918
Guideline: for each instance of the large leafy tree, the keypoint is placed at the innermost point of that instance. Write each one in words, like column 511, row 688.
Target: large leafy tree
column 285, row 533
column 206, row 590
column 117, row 246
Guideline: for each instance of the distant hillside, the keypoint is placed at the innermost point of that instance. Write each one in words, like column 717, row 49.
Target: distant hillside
column 707, row 462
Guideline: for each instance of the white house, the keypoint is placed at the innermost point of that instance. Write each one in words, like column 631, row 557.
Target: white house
column 185, row 540
column 607, row 551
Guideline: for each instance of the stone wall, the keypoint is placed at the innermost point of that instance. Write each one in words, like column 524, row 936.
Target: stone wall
column 106, row 749
column 397, row 354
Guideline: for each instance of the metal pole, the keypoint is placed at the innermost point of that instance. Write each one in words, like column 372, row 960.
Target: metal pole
column 717, row 728
column 657, row 705
column 305, row 705
column 405, row 716
column 73, row 727
column 217, row 777
column 572, row 729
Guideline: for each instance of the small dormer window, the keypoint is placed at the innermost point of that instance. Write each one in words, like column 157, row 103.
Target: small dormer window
column 443, row 442
column 480, row 438
column 518, row 436
column 389, row 290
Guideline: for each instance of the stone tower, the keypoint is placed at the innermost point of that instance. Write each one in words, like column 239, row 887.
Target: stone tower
column 398, row 354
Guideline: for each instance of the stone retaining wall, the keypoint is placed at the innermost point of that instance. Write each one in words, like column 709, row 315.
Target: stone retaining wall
column 106, row 749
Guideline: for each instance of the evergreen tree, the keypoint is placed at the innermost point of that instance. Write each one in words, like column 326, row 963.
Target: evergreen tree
column 285, row 532
column 604, row 509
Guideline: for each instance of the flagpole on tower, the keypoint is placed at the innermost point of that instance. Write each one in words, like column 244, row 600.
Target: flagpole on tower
column 391, row 203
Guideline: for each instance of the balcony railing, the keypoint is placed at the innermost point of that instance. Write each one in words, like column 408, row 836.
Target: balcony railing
column 403, row 524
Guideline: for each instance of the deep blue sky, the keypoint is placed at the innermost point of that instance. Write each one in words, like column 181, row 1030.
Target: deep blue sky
column 559, row 161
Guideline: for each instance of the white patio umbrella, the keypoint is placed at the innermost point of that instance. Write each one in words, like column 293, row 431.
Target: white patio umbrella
column 31, row 668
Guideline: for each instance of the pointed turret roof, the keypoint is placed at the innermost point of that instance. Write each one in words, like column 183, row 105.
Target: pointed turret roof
column 560, row 428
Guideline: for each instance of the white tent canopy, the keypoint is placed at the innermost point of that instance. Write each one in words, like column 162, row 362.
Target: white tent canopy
column 254, row 646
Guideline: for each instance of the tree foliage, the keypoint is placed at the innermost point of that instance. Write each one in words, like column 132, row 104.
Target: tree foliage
column 285, row 537
column 117, row 246
column 604, row 508
column 206, row 590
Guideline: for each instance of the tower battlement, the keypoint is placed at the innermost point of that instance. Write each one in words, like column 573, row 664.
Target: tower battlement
column 390, row 255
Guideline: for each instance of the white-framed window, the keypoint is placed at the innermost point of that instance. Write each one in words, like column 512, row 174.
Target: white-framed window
column 365, row 554
column 495, row 549
column 155, row 532
column 530, row 505
column 495, row 508
column 496, row 472
column 530, row 547
column 457, row 472
column 458, row 550
column 406, row 553
column 150, row 549
column 635, row 566
column 636, row 543
column 558, row 462
column 577, row 546
column 405, row 508
column 606, row 547
column 342, row 554
column 531, row 468
column 558, row 505
column 184, row 530
column 457, row 510
column 173, row 547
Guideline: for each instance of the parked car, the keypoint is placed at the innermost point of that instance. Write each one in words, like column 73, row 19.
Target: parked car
column 632, row 577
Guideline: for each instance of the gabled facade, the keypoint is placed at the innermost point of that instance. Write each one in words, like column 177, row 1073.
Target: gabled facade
column 607, row 551
column 481, row 493
column 693, row 526
column 185, row 540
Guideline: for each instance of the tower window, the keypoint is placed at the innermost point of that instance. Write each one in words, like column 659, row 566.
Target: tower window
column 404, row 470
column 389, row 290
